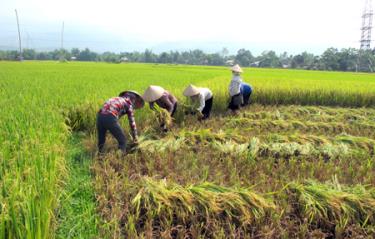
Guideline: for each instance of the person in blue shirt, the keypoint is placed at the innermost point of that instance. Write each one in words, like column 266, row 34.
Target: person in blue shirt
column 246, row 91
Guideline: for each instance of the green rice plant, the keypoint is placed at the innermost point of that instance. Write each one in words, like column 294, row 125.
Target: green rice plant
column 81, row 117
column 51, row 102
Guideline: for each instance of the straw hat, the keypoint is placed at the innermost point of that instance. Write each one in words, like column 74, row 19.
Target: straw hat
column 153, row 93
column 139, row 102
column 236, row 68
column 191, row 90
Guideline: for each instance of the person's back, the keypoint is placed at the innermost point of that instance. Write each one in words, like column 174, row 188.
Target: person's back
column 116, row 106
column 246, row 91
column 235, row 85
column 202, row 95
column 246, row 88
column 167, row 101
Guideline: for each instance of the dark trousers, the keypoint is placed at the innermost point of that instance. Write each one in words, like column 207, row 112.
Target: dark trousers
column 235, row 102
column 108, row 122
column 246, row 99
column 174, row 109
column 207, row 108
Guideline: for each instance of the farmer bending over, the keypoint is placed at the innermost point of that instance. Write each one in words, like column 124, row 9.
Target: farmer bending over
column 203, row 96
column 109, row 114
column 235, row 90
column 246, row 91
column 164, row 99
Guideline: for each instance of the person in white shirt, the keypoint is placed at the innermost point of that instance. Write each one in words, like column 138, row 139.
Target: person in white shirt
column 235, row 89
column 204, row 96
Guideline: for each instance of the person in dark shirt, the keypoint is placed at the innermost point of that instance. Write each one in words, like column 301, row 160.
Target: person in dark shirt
column 157, row 95
column 112, row 110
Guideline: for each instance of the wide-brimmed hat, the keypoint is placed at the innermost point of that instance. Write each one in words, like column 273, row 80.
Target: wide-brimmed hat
column 139, row 100
column 191, row 90
column 153, row 93
column 236, row 68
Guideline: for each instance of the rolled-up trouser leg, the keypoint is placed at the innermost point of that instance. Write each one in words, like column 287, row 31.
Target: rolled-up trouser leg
column 102, row 131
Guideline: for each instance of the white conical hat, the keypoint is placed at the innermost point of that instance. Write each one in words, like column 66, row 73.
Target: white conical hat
column 191, row 90
column 153, row 93
column 236, row 68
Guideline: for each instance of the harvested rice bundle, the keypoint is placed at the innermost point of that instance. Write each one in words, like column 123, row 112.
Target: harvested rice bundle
column 160, row 145
column 333, row 204
column 168, row 204
column 163, row 117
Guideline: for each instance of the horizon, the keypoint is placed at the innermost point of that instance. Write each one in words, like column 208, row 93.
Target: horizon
column 169, row 26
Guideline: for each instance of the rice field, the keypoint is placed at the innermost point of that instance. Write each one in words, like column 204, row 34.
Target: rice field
column 297, row 163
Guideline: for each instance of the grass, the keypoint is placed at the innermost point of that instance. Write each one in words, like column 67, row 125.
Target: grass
column 77, row 217
column 48, row 100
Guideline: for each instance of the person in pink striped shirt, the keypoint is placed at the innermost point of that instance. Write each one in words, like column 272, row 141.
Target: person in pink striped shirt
column 112, row 110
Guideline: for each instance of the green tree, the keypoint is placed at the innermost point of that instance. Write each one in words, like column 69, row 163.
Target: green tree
column 75, row 52
column 87, row 55
column 110, row 57
column 244, row 57
column 215, row 59
column 164, row 58
column 29, row 54
column 269, row 59
column 330, row 59
column 348, row 59
column 149, row 56
column 366, row 61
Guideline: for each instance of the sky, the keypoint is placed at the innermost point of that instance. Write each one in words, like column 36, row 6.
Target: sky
column 162, row 25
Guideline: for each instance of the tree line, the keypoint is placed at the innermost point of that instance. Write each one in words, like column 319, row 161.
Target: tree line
column 333, row 59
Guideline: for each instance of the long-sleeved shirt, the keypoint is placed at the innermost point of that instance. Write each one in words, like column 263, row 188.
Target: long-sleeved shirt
column 235, row 85
column 167, row 101
column 119, row 106
column 204, row 94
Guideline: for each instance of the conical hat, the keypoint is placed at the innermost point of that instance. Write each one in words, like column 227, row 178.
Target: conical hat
column 236, row 68
column 140, row 102
column 191, row 90
column 153, row 93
